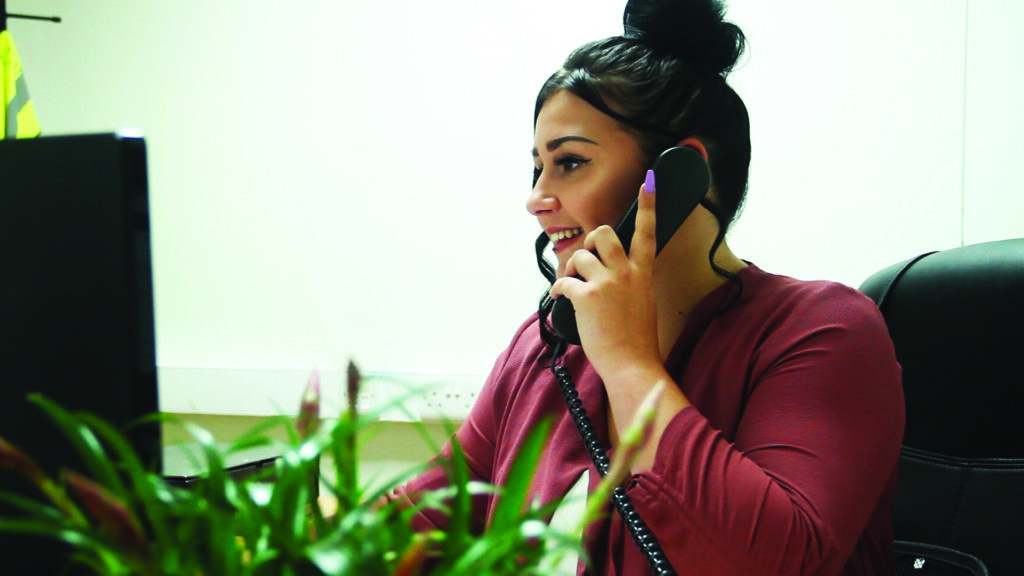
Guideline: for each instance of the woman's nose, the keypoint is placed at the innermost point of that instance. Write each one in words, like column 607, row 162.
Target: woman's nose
column 539, row 201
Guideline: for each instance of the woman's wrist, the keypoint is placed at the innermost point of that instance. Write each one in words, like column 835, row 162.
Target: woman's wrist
column 626, row 390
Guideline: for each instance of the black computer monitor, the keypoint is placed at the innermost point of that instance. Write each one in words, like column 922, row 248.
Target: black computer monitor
column 76, row 298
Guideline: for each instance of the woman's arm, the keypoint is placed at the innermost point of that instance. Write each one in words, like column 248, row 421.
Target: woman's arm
column 814, row 449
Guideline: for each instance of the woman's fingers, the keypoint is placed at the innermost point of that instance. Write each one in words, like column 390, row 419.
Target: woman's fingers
column 645, row 242
column 603, row 252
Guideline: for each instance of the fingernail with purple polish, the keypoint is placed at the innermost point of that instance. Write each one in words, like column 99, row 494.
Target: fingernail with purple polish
column 649, row 182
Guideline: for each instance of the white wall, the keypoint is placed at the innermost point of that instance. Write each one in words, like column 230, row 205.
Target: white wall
column 994, row 148
column 335, row 179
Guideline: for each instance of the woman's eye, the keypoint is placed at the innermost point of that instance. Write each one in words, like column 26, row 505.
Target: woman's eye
column 566, row 164
column 570, row 163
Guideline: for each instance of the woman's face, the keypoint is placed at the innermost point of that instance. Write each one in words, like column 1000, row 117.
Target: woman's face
column 587, row 170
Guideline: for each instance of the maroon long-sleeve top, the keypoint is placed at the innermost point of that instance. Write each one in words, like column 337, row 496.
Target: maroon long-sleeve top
column 785, row 464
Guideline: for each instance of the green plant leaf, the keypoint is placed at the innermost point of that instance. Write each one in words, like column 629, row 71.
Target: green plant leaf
column 344, row 455
column 147, row 488
column 220, row 502
column 516, row 489
column 412, row 558
column 84, row 441
column 32, row 507
column 115, row 518
column 384, row 487
column 331, row 557
column 21, row 463
column 56, row 531
column 225, row 526
column 13, row 458
column 460, row 509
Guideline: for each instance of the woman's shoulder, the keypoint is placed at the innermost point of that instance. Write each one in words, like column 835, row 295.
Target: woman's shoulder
column 522, row 352
column 786, row 294
column 531, row 321
column 780, row 310
column 784, row 321
column 526, row 337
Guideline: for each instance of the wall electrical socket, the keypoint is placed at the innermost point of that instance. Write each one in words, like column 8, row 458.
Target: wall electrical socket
column 450, row 402
column 418, row 397
column 393, row 396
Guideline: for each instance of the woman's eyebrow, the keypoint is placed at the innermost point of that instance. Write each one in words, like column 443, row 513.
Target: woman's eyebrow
column 554, row 144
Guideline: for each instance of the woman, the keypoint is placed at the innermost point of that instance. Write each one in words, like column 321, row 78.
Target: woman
column 775, row 443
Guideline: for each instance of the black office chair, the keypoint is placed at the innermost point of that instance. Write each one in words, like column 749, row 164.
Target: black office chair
column 956, row 318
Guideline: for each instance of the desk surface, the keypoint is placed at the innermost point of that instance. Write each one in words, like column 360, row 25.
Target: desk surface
column 185, row 463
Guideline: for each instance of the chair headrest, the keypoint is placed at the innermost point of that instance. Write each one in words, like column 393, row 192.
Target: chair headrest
column 956, row 318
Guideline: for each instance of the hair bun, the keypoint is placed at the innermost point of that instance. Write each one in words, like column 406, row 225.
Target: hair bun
column 694, row 30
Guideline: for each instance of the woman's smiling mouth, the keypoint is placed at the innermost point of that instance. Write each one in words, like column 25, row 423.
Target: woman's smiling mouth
column 562, row 237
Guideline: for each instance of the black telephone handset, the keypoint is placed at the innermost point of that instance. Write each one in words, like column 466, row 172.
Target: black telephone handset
column 682, row 179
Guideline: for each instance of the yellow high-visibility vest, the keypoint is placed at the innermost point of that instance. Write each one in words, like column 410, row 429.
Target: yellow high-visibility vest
column 17, row 114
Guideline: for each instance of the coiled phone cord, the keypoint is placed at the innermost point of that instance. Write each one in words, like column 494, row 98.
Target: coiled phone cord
column 638, row 529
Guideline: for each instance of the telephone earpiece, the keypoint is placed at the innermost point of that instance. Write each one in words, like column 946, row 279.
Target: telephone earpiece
column 683, row 177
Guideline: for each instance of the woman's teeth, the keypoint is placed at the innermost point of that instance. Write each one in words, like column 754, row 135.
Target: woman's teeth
column 566, row 234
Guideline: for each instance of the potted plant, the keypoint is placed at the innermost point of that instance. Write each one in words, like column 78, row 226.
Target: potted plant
column 121, row 518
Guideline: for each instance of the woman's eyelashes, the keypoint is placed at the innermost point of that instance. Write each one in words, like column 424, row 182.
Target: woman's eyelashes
column 566, row 164
column 570, row 162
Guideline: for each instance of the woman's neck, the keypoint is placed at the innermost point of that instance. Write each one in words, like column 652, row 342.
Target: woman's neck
column 683, row 275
